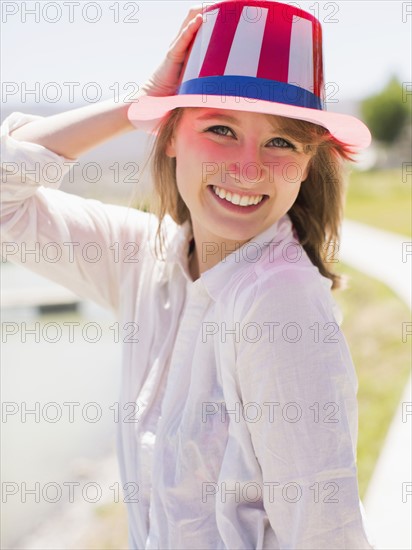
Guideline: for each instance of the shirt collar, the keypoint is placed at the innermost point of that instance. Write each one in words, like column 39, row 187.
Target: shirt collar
column 246, row 257
column 215, row 280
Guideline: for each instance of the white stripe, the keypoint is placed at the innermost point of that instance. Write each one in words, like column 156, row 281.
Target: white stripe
column 245, row 53
column 200, row 46
column 301, row 54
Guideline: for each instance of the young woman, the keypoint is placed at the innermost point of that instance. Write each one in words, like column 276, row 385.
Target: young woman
column 242, row 384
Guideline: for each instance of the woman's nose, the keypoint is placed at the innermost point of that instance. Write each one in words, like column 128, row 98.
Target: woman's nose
column 248, row 169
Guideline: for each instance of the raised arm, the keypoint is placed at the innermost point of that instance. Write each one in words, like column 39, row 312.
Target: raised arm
column 36, row 216
column 72, row 133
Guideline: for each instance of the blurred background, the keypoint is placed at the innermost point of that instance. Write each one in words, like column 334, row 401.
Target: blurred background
column 57, row 56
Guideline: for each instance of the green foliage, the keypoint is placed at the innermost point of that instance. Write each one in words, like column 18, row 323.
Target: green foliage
column 387, row 112
column 381, row 198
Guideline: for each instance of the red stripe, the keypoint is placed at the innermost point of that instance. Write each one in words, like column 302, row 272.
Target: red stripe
column 274, row 55
column 317, row 60
column 217, row 54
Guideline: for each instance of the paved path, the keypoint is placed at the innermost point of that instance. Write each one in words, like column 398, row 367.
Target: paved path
column 380, row 254
column 387, row 257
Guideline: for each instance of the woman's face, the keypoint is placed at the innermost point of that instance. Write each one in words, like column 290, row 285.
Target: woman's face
column 245, row 159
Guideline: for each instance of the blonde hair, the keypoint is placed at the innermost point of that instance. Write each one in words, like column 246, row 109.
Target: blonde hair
column 318, row 210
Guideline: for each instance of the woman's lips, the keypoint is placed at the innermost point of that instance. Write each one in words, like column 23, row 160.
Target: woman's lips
column 235, row 207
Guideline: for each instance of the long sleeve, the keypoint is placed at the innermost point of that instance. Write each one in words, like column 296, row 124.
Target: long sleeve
column 303, row 424
column 82, row 244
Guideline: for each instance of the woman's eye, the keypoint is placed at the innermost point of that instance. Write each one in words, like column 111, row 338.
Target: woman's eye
column 220, row 130
column 280, row 142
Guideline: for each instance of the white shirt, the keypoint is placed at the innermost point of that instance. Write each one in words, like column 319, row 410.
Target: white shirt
column 241, row 385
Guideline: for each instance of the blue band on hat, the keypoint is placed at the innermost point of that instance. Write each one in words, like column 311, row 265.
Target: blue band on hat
column 251, row 88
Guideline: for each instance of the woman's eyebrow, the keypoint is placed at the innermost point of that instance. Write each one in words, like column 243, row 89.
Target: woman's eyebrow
column 220, row 116
column 213, row 115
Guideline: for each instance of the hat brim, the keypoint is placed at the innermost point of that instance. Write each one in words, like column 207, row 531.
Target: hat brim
column 146, row 112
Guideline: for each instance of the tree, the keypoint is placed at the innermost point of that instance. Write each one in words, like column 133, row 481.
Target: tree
column 387, row 112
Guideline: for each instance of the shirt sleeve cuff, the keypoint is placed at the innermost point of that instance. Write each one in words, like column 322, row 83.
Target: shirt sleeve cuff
column 30, row 159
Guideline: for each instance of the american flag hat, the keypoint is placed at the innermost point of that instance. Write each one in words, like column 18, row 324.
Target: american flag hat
column 258, row 56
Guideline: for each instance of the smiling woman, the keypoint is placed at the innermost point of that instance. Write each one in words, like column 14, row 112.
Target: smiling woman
column 249, row 141
column 240, row 385
column 253, row 155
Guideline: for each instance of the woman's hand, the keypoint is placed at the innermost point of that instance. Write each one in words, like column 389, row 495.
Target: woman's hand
column 165, row 79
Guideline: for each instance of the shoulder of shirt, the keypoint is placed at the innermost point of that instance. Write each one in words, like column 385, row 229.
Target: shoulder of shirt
column 280, row 285
column 169, row 229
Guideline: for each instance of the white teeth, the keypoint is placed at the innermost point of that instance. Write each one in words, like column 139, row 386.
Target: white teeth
column 237, row 199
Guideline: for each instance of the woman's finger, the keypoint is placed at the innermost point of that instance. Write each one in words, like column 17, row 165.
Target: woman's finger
column 191, row 15
column 165, row 79
column 179, row 47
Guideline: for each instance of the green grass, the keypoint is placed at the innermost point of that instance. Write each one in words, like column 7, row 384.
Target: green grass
column 373, row 317
column 108, row 531
column 381, row 199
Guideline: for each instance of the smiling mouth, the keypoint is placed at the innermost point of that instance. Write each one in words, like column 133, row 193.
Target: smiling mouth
column 236, row 199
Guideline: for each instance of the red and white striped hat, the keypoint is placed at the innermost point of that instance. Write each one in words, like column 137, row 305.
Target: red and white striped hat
column 259, row 56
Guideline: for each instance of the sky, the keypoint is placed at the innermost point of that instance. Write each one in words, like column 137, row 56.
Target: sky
column 113, row 43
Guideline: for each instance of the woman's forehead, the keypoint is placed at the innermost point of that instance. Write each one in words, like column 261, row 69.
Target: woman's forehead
column 205, row 113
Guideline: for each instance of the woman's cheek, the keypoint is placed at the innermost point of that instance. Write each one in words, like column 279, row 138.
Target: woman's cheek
column 288, row 170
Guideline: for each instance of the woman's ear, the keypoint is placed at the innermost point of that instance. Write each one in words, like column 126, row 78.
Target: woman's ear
column 306, row 172
column 307, row 169
column 170, row 148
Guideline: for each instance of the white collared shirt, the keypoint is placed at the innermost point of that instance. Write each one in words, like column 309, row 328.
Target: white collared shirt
column 241, row 383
